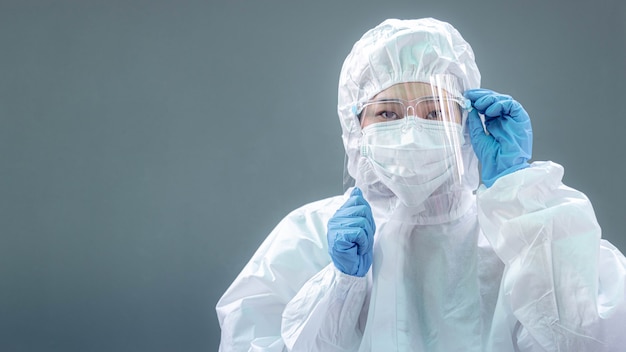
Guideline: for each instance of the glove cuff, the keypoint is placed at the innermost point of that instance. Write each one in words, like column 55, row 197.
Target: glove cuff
column 489, row 181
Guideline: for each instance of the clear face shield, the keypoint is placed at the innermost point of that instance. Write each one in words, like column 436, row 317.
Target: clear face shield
column 411, row 139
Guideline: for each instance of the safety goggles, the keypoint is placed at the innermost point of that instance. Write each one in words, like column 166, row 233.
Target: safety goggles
column 435, row 108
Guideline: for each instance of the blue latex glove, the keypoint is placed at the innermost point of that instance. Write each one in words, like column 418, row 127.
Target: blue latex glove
column 351, row 235
column 508, row 146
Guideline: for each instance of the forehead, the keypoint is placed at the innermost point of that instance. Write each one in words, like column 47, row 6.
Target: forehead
column 410, row 91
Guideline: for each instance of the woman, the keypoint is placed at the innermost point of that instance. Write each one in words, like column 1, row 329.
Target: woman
column 417, row 256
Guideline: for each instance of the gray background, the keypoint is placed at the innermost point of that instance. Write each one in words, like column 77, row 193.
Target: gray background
column 148, row 147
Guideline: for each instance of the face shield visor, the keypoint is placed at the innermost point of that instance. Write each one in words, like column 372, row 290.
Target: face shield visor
column 412, row 139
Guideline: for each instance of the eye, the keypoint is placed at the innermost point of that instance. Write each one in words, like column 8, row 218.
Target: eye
column 439, row 110
column 388, row 115
column 383, row 111
column 388, row 111
column 433, row 115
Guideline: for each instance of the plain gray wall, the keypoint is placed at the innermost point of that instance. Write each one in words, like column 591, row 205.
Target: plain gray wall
column 148, row 147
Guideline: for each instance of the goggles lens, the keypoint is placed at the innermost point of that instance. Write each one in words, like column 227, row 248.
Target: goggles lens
column 428, row 108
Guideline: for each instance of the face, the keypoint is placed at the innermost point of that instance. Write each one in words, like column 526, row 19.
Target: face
column 421, row 100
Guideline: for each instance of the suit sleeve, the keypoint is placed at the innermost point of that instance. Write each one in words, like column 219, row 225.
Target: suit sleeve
column 281, row 298
column 562, row 283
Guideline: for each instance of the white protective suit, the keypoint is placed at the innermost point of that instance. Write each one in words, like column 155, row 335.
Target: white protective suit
column 519, row 266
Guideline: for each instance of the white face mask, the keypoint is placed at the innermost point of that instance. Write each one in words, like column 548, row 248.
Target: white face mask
column 413, row 157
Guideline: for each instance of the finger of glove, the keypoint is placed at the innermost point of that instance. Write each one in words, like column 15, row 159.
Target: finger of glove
column 482, row 98
column 475, row 94
column 347, row 262
column 516, row 139
column 508, row 109
column 356, row 191
column 475, row 125
column 348, row 238
column 485, row 103
column 356, row 205
column 479, row 95
column 510, row 131
column 353, row 265
column 356, row 211
column 365, row 262
column 481, row 141
column 356, row 198
column 350, row 229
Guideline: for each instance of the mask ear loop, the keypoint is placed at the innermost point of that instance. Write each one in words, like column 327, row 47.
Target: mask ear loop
column 357, row 114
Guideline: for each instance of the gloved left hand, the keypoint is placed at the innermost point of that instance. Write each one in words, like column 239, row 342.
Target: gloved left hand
column 351, row 235
column 508, row 146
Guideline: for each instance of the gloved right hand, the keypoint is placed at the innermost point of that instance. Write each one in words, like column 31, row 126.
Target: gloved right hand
column 351, row 235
